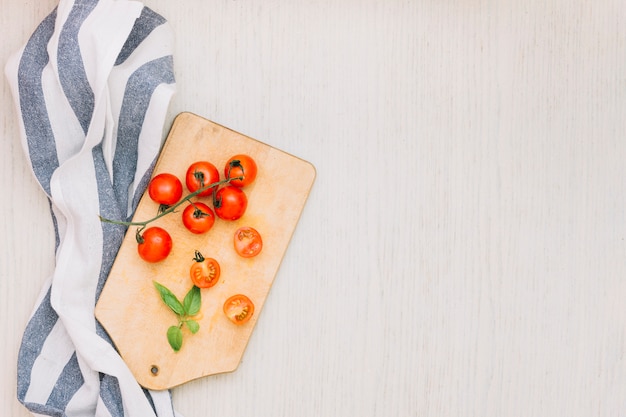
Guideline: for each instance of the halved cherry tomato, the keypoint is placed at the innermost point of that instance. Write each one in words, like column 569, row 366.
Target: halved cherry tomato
column 241, row 166
column 230, row 203
column 238, row 309
column 165, row 189
column 199, row 175
column 154, row 244
column 248, row 242
column 204, row 272
column 198, row 218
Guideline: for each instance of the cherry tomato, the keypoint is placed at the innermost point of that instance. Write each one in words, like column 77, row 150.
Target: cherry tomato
column 199, row 175
column 238, row 309
column 248, row 242
column 241, row 166
column 198, row 218
column 204, row 272
column 230, row 203
column 165, row 189
column 154, row 244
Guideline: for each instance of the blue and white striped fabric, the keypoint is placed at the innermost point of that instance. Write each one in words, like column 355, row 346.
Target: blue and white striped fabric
column 91, row 87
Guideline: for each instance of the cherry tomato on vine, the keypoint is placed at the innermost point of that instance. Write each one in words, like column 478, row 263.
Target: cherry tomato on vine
column 248, row 242
column 238, row 309
column 154, row 244
column 165, row 189
column 241, row 166
column 198, row 218
column 230, row 203
column 204, row 272
column 199, row 175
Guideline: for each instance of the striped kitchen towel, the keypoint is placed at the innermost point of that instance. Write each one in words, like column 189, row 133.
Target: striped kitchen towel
column 91, row 87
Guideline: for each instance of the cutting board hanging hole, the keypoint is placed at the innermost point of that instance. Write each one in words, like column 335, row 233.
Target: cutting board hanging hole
column 154, row 370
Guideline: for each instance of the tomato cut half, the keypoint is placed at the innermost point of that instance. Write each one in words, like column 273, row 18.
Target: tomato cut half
column 239, row 309
column 154, row 244
column 204, row 272
column 248, row 242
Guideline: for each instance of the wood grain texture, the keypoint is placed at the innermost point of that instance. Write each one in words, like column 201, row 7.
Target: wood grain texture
column 463, row 250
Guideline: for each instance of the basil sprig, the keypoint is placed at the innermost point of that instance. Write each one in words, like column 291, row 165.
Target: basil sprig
column 184, row 311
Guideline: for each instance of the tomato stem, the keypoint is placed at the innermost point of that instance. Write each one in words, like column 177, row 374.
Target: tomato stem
column 198, row 213
column 233, row 164
column 198, row 257
column 138, row 235
column 216, row 203
column 170, row 209
column 199, row 175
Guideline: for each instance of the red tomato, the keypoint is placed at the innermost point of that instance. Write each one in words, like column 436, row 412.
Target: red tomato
column 204, row 272
column 199, row 175
column 241, row 166
column 165, row 189
column 248, row 242
column 154, row 244
column 230, row 203
column 238, row 309
column 198, row 218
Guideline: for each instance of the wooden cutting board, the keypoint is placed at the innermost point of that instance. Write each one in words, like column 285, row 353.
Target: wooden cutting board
column 130, row 308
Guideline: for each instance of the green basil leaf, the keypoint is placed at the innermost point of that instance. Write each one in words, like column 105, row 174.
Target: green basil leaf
column 192, row 301
column 170, row 299
column 193, row 326
column 175, row 337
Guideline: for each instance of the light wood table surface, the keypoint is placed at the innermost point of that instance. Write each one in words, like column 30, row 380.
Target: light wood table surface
column 463, row 251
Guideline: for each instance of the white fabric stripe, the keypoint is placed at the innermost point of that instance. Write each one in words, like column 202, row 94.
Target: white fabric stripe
column 101, row 409
column 57, row 351
column 148, row 146
column 110, row 135
column 161, row 35
column 61, row 225
column 162, row 403
column 102, row 36
column 77, row 264
column 62, row 119
column 63, row 11
column 83, row 403
column 82, row 262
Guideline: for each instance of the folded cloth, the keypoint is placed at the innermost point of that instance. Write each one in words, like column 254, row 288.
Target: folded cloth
column 91, row 87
